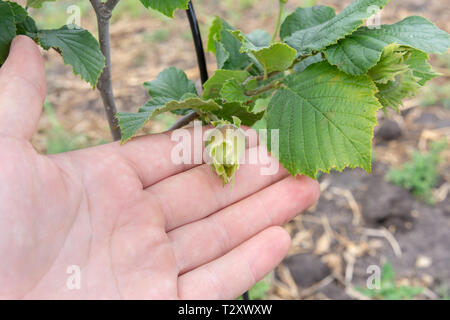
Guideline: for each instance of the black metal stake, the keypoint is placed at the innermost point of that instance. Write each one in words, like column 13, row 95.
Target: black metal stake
column 190, row 12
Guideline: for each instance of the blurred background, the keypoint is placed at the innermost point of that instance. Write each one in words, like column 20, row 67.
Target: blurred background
column 395, row 221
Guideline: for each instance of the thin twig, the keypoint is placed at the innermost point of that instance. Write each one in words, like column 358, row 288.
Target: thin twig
column 262, row 89
column 103, row 12
column 384, row 233
column 316, row 287
column 350, row 289
column 260, row 77
column 278, row 23
column 347, row 194
column 430, row 294
column 185, row 120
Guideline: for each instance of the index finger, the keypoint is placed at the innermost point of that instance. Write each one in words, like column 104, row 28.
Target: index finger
column 157, row 157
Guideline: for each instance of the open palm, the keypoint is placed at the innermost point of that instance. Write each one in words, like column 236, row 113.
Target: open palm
column 135, row 224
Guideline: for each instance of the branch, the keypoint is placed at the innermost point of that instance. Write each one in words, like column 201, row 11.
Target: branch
column 111, row 4
column 262, row 89
column 185, row 120
column 103, row 12
column 96, row 4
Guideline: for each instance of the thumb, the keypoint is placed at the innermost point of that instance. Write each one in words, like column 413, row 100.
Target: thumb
column 22, row 89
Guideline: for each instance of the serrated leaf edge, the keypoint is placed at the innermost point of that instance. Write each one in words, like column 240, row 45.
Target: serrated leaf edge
column 379, row 56
column 313, row 175
column 155, row 112
column 337, row 40
column 98, row 74
column 185, row 7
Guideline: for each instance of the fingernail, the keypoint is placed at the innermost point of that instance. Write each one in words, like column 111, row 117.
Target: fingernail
column 13, row 43
column 16, row 40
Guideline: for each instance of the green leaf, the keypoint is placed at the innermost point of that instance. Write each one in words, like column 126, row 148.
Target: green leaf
column 276, row 57
column 388, row 273
column 303, row 18
column 245, row 44
column 215, row 29
column 399, row 74
column 259, row 38
column 226, row 47
column 217, row 26
column 7, row 30
column 24, row 23
column 19, row 12
column 37, row 3
column 261, row 104
column 27, row 27
column 130, row 123
column 318, row 37
column 325, row 120
column 392, row 93
column 212, row 87
column 234, row 91
column 360, row 51
column 222, row 55
column 166, row 7
column 235, row 109
column 391, row 64
column 14, row 20
column 417, row 62
column 260, row 124
column 302, row 65
column 78, row 48
column 229, row 48
column 171, row 84
column 170, row 91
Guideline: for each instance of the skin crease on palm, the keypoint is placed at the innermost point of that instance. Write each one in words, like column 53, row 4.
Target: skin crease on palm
column 138, row 226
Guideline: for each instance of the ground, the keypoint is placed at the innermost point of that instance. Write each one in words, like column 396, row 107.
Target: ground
column 360, row 219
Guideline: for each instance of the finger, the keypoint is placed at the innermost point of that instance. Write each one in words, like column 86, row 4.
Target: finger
column 197, row 193
column 22, row 79
column 237, row 271
column 155, row 157
column 231, row 226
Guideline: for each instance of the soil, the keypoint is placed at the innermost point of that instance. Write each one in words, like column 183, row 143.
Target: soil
column 360, row 219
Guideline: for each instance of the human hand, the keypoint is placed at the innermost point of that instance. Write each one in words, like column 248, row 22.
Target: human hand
column 137, row 225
